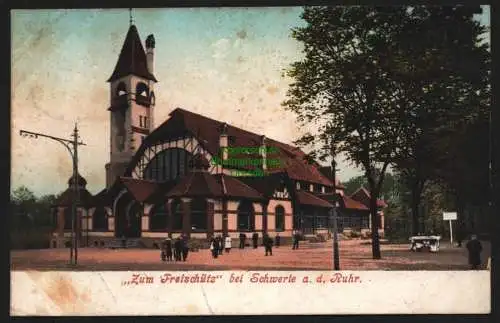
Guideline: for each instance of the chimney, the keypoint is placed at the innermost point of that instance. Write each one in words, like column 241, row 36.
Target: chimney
column 223, row 144
column 263, row 152
column 150, row 53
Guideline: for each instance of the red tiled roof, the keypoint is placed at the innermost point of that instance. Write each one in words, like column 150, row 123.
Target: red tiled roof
column 196, row 184
column 140, row 189
column 132, row 59
column 362, row 195
column 309, row 199
column 236, row 188
column 208, row 131
column 349, row 203
column 203, row 184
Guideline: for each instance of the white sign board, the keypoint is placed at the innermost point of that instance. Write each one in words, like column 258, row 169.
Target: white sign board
column 448, row 216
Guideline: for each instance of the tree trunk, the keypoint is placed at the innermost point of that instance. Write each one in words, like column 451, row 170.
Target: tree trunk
column 415, row 202
column 375, row 236
column 416, row 198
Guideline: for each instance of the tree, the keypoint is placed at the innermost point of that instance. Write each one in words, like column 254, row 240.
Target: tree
column 447, row 85
column 353, row 184
column 23, row 208
column 381, row 86
column 346, row 86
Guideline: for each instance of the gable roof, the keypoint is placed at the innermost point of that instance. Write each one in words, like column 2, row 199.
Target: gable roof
column 132, row 59
column 362, row 195
column 208, row 131
column 307, row 198
column 141, row 190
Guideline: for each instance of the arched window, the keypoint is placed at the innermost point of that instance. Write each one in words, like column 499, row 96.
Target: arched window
column 199, row 214
column 53, row 213
column 168, row 164
column 99, row 220
column 158, row 218
column 246, row 216
column 279, row 216
column 68, row 217
column 121, row 89
column 142, row 90
column 177, row 216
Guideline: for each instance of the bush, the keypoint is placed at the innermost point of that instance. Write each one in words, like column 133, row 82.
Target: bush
column 31, row 239
column 355, row 234
column 366, row 235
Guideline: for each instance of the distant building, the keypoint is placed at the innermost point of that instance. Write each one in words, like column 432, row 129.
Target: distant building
column 198, row 176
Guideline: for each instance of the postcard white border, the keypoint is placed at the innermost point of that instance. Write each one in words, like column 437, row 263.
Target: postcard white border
column 64, row 293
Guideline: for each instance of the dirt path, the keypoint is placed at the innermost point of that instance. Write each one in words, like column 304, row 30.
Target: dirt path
column 354, row 255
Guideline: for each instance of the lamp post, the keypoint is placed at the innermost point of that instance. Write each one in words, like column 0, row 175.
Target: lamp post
column 72, row 147
column 336, row 256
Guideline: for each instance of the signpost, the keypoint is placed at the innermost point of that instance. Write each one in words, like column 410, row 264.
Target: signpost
column 450, row 216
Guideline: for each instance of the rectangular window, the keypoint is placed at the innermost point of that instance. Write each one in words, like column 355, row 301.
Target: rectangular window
column 142, row 138
column 146, row 121
column 140, row 121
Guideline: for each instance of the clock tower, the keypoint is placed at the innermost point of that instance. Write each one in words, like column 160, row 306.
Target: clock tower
column 132, row 102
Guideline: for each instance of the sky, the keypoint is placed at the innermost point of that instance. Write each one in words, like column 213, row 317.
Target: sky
column 224, row 63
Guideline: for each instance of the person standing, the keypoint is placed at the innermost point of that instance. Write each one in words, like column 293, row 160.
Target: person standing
column 268, row 245
column 214, row 248
column 177, row 249
column 242, row 240
column 474, row 247
column 227, row 243
column 460, row 234
column 255, row 239
column 185, row 247
column 296, row 238
column 221, row 245
column 168, row 249
column 277, row 240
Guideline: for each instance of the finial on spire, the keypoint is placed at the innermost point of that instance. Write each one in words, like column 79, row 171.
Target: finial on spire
column 131, row 18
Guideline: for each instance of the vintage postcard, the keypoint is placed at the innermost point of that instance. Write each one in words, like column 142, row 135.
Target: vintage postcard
column 281, row 160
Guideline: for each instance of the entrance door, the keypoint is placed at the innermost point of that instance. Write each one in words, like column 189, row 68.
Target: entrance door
column 128, row 218
column 134, row 221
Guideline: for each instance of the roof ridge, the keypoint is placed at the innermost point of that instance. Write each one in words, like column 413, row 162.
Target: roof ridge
column 234, row 127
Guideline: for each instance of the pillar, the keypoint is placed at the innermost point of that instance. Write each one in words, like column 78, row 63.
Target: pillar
column 264, row 217
column 170, row 217
column 186, row 216
column 210, row 218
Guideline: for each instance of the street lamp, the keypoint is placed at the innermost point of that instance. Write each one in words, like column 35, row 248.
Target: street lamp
column 336, row 256
column 72, row 147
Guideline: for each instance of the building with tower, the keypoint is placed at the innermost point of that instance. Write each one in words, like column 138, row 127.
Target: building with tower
column 200, row 177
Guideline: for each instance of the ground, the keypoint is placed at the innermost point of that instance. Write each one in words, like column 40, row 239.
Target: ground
column 354, row 255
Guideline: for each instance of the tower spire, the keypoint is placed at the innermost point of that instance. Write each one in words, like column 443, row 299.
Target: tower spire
column 130, row 15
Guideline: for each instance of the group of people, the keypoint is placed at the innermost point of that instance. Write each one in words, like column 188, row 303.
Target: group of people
column 255, row 240
column 178, row 248
column 177, row 251
column 218, row 244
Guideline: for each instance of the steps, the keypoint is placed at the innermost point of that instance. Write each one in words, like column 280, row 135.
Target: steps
column 129, row 244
